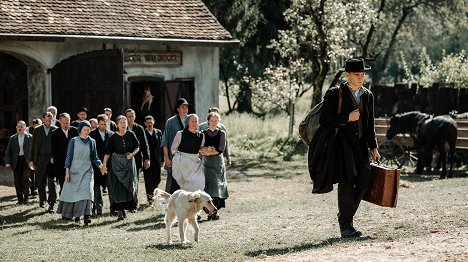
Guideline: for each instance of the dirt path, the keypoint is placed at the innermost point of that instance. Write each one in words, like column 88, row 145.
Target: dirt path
column 436, row 246
column 444, row 245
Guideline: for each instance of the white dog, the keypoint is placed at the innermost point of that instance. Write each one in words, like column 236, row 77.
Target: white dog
column 184, row 206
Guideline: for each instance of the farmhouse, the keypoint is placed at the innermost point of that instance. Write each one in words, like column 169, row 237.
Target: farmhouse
column 106, row 53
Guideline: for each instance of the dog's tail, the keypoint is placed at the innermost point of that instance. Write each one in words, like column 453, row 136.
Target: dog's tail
column 161, row 195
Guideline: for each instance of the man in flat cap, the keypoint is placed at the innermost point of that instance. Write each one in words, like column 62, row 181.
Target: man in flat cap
column 173, row 124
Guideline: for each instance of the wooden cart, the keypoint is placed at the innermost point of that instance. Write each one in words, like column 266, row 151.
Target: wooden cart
column 400, row 151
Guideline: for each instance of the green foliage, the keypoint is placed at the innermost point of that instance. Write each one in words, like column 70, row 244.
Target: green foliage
column 251, row 137
column 452, row 70
column 278, row 87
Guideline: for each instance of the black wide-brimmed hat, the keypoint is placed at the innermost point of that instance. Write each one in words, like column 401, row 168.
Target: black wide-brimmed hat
column 83, row 109
column 355, row 65
column 179, row 102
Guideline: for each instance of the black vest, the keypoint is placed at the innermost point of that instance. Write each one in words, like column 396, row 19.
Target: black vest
column 190, row 142
column 213, row 141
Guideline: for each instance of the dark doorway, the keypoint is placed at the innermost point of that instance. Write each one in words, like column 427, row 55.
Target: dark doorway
column 13, row 97
column 164, row 94
column 146, row 96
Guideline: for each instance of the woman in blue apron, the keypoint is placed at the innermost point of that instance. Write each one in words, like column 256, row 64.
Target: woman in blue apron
column 77, row 195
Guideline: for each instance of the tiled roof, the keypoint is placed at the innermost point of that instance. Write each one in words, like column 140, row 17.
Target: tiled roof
column 168, row 19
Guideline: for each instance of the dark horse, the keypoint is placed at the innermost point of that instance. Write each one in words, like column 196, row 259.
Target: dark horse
column 428, row 133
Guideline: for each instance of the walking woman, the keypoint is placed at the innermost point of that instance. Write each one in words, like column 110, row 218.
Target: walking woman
column 77, row 195
column 123, row 146
column 213, row 163
column 187, row 168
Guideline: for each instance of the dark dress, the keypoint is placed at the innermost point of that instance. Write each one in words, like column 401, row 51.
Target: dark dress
column 214, row 167
column 123, row 174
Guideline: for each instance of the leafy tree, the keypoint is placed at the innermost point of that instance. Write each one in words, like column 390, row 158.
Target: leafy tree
column 452, row 70
column 321, row 35
column 254, row 23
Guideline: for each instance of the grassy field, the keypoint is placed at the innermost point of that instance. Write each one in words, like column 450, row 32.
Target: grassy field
column 270, row 213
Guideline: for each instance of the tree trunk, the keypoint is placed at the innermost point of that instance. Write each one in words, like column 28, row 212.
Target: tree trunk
column 244, row 99
column 381, row 69
column 365, row 47
column 291, row 110
column 226, row 86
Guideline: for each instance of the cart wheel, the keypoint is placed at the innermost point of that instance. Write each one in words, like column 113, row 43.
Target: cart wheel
column 392, row 154
column 411, row 159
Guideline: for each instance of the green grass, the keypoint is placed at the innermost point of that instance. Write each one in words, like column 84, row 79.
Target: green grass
column 270, row 214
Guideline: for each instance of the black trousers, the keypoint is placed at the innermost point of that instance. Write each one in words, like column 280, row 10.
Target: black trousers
column 32, row 176
column 350, row 193
column 21, row 178
column 152, row 177
column 174, row 186
column 44, row 177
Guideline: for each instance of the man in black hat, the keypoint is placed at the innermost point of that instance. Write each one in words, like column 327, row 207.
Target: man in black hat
column 173, row 124
column 82, row 115
column 355, row 137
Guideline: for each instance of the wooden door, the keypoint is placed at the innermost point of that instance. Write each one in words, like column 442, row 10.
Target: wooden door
column 93, row 80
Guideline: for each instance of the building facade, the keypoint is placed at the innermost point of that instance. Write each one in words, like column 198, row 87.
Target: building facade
column 101, row 54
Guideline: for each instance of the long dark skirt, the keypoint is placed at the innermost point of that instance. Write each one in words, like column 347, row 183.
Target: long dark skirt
column 124, row 183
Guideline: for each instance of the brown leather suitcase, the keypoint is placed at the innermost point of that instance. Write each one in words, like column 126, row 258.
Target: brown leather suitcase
column 384, row 188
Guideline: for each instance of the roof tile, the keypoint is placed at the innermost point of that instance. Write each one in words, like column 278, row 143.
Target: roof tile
column 180, row 19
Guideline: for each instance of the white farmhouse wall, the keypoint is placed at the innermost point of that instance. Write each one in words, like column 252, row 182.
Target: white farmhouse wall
column 200, row 63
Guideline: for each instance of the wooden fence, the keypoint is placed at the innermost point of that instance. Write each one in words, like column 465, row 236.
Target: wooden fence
column 437, row 100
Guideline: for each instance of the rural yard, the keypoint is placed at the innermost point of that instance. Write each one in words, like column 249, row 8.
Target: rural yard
column 270, row 216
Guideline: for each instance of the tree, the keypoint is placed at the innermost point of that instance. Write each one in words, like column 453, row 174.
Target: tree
column 254, row 23
column 322, row 33
column 326, row 32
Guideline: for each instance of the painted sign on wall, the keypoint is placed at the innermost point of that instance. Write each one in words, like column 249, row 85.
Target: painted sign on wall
column 170, row 58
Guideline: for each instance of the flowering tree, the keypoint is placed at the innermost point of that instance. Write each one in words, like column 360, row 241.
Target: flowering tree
column 278, row 89
column 321, row 35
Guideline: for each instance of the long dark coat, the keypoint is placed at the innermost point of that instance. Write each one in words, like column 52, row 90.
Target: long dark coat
column 59, row 149
column 342, row 149
column 99, row 179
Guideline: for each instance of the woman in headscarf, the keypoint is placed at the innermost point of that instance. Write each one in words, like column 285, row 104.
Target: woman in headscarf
column 187, row 168
column 123, row 146
column 213, row 163
column 78, row 190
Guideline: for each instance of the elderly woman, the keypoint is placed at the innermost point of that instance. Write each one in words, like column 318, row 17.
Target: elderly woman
column 122, row 146
column 78, row 190
column 187, row 168
column 213, row 163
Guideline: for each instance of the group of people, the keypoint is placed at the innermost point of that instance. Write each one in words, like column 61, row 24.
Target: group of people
column 86, row 159
column 192, row 154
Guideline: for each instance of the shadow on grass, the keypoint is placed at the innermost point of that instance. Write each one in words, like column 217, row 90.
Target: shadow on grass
column 175, row 246
column 303, row 247
column 17, row 219
column 4, row 200
column 150, row 223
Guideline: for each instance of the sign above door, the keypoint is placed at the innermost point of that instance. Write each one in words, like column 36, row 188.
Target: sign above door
column 169, row 58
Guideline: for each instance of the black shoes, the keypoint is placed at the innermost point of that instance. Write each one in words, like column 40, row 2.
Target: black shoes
column 350, row 232
column 121, row 215
column 41, row 204
column 50, row 209
column 87, row 220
